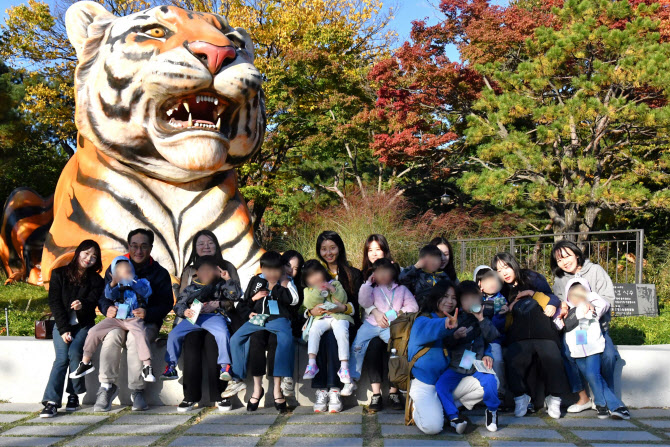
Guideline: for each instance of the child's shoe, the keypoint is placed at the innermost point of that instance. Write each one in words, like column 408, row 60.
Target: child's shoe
column 491, row 420
column 521, row 405
column 148, row 374
column 170, row 372
column 602, row 411
column 82, row 370
column 396, row 401
column 553, row 404
column 349, row 388
column 344, row 376
column 310, row 372
column 287, row 386
column 458, row 424
column 376, row 403
column 234, row 387
column 620, row 413
column 225, row 373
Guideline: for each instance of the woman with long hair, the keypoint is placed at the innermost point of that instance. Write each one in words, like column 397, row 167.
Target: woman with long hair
column 74, row 292
column 201, row 344
column 332, row 253
column 447, row 266
column 375, row 247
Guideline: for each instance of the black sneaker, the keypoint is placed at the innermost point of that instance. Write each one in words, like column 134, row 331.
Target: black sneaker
column 620, row 413
column 148, row 374
column 50, row 410
column 396, row 401
column 531, row 408
column 185, row 406
column 459, row 424
column 170, row 373
column 376, row 403
column 82, row 370
column 225, row 404
column 72, row 403
column 491, row 420
column 602, row 412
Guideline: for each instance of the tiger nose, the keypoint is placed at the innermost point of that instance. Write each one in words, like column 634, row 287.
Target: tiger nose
column 213, row 56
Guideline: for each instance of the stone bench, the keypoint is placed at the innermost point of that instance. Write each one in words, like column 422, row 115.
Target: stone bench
column 25, row 364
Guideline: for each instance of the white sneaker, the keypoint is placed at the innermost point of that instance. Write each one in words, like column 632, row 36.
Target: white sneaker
column 491, row 418
column 578, row 408
column 459, row 425
column 348, row 389
column 321, row 403
column 521, row 405
column 334, row 402
column 148, row 374
column 553, row 404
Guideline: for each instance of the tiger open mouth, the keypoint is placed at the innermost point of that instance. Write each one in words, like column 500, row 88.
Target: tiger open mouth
column 202, row 111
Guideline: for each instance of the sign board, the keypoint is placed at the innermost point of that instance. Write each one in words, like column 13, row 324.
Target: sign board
column 635, row 299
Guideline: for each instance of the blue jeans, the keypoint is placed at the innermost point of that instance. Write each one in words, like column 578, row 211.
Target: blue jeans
column 602, row 393
column 239, row 347
column 359, row 347
column 215, row 324
column 68, row 355
column 449, row 381
column 608, row 360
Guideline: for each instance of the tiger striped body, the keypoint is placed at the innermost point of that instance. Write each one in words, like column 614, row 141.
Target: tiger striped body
column 168, row 102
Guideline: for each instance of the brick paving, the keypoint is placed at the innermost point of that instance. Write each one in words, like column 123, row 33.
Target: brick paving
column 355, row 427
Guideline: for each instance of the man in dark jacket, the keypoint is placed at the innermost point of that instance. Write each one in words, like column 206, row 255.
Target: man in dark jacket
column 140, row 242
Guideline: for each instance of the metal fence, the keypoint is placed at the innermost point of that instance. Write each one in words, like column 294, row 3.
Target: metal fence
column 618, row 252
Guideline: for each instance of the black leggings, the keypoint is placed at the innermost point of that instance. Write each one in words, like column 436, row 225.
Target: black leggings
column 376, row 360
column 259, row 342
column 522, row 354
column 196, row 345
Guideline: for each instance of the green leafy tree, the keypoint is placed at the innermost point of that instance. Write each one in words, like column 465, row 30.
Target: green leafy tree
column 578, row 118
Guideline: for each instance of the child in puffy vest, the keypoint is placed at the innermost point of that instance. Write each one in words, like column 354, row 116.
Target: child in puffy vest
column 126, row 293
column 422, row 276
column 215, row 297
column 586, row 343
column 467, row 345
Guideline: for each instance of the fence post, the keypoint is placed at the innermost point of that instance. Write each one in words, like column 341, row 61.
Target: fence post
column 7, row 321
column 639, row 257
column 462, row 256
column 511, row 246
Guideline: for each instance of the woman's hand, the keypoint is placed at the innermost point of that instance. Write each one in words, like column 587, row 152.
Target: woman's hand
column 340, row 309
column 451, row 322
column 461, row 332
column 317, row 311
column 66, row 336
column 189, row 313
column 76, row 305
column 550, row 310
column 380, row 318
column 564, row 310
column 209, row 307
column 488, row 361
column 111, row 311
column 252, row 314
column 260, row 295
column 525, row 293
column 140, row 312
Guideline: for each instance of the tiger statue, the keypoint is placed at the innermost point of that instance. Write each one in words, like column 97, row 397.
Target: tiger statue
column 168, row 103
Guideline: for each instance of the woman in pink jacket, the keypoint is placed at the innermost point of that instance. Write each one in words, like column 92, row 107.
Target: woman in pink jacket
column 383, row 300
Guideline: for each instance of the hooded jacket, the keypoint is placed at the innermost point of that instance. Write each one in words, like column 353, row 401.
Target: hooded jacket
column 279, row 293
column 600, row 282
column 313, row 298
column 134, row 293
column 587, row 320
column 477, row 340
column 162, row 299
column 419, row 281
column 401, row 299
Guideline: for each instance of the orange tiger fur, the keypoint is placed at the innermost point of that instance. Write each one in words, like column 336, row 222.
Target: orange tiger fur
column 140, row 162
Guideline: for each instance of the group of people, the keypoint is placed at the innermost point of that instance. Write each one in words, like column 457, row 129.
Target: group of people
column 502, row 336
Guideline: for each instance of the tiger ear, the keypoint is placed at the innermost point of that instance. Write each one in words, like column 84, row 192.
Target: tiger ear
column 78, row 19
column 248, row 46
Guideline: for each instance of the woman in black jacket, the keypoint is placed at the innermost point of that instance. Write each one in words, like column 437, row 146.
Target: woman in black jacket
column 74, row 291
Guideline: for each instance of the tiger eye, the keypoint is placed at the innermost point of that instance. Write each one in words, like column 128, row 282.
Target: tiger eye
column 156, row 32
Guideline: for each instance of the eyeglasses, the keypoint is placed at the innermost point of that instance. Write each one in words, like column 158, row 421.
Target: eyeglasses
column 138, row 247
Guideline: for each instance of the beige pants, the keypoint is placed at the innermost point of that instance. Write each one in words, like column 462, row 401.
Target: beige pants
column 110, row 356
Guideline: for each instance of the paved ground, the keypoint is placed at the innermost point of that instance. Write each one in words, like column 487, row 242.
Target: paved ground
column 163, row 426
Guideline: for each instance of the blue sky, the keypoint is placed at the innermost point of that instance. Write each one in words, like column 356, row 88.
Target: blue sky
column 407, row 11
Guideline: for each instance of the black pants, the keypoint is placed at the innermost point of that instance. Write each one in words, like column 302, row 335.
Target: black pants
column 259, row 343
column 376, row 360
column 328, row 362
column 521, row 355
column 197, row 344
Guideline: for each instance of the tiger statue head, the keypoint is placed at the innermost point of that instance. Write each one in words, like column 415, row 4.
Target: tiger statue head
column 171, row 93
